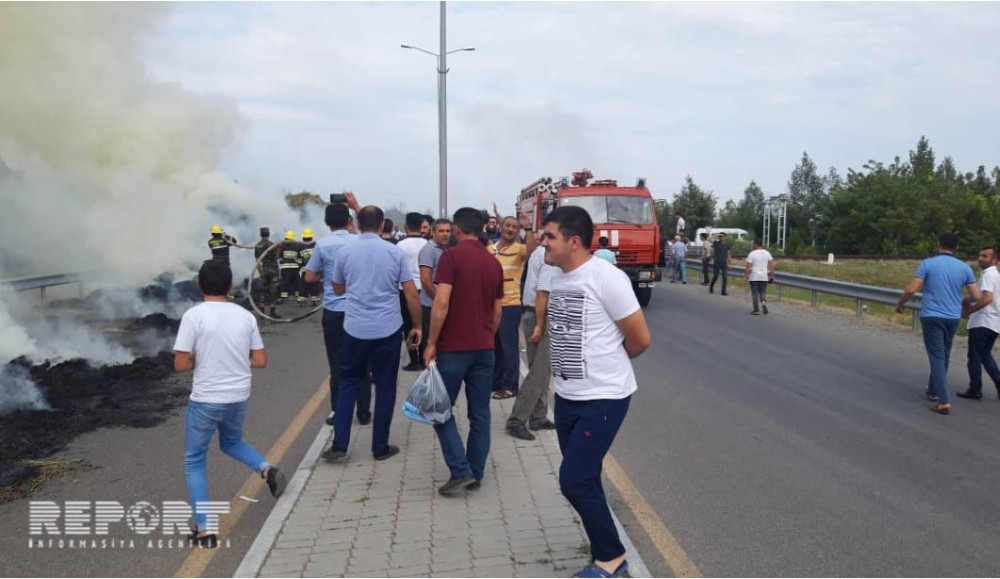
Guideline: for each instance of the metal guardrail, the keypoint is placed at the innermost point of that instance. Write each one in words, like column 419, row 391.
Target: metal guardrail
column 40, row 282
column 817, row 285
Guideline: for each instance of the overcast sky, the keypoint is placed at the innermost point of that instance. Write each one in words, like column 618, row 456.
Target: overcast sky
column 725, row 92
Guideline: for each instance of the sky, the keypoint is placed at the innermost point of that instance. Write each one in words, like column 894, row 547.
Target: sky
column 724, row 92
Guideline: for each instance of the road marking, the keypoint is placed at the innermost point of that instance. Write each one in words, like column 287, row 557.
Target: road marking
column 663, row 540
column 199, row 559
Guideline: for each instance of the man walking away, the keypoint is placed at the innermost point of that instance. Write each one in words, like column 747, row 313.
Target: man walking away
column 319, row 269
column 678, row 255
column 221, row 343
column 289, row 266
column 370, row 272
column 532, row 406
column 267, row 272
column 706, row 257
column 942, row 278
column 983, row 326
column 464, row 318
column 428, row 260
column 411, row 247
column 602, row 253
column 595, row 326
column 758, row 272
column 722, row 261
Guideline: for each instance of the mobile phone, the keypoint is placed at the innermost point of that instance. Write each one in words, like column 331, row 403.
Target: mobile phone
column 338, row 199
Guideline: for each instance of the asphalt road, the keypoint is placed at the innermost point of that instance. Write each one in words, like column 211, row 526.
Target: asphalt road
column 799, row 444
column 133, row 465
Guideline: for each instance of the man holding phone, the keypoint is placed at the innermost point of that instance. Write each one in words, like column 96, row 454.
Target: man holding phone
column 370, row 271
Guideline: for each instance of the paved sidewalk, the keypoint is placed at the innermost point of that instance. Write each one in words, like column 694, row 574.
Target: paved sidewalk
column 386, row 519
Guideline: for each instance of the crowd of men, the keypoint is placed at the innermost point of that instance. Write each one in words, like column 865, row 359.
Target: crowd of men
column 457, row 292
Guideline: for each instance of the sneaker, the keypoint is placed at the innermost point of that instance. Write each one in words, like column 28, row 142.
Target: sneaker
column 547, row 425
column 412, row 367
column 364, row 418
column 455, row 484
column 593, row 570
column 390, row 451
column 276, row 481
column 763, row 306
column 334, row 453
column 518, row 430
column 725, row 293
column 329, row 419
column 210, row 541
column 755, row 313
column 474, row 486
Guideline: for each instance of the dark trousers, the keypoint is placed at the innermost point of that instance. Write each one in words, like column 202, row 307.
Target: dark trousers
column 981, row 342
column 938, row 336
column 717, row 267
column 506, row 347
column 416, row 355
column 333, row 337
column 704, row 271
column 758, row 289
column 425, row 327
column 586, row 430
column 354, row 374
column 289, row 281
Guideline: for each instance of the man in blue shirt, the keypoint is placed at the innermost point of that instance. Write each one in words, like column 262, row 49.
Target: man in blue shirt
column 320, row 267
column 942, row 278
column 604, row 253
column 370, row 271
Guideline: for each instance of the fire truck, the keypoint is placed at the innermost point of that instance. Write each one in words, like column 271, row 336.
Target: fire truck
column 625, row 215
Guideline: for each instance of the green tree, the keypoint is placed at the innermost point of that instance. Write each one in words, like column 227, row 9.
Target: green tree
column 809, row 203
column 697, row 206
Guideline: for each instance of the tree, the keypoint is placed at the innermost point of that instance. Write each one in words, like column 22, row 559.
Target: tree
column 697, row 206
column 808, row 202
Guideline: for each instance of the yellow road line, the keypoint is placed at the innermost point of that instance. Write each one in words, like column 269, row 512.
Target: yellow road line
column 663, row 540
column 199, row 559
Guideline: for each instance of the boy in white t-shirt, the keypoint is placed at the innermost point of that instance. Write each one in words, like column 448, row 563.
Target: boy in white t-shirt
column 220, row 342
column 758, row 272
column 595, row 326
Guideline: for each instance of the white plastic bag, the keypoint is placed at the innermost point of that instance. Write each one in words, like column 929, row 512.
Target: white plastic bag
column 428, row 400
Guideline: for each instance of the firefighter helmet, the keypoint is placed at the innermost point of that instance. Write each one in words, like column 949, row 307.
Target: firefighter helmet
column 290, row 235
column 216, row 230
column 307, row 233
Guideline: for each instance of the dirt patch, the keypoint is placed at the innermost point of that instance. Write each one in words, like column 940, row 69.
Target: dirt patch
column 20, row 480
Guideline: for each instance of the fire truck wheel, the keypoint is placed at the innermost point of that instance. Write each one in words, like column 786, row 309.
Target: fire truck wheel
column 643, row 294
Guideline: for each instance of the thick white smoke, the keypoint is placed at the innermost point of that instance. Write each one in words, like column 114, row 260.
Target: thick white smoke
column 102, row 168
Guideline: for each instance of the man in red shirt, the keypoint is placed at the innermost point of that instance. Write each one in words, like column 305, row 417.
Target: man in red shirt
column 464, row 319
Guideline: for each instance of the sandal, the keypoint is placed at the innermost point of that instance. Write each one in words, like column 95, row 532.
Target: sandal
column 504, row 394
column 930, row 396
column 941, row 408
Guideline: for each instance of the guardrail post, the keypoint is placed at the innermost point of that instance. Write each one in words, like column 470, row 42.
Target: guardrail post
column 861, row 308
column 815, row 299
column 779, row 291
column 42, row 289
column 916, row 320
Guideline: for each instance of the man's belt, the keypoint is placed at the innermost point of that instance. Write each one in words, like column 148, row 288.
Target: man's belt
column 528, row 309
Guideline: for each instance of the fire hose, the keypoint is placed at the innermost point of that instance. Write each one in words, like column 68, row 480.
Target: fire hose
column 253, row 304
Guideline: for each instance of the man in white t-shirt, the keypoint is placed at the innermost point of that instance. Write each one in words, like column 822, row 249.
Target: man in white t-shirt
column 595, row 326
column 411, row 246
column 679, row 229
column 983, row 326
column 221, row 343
column 758, row 272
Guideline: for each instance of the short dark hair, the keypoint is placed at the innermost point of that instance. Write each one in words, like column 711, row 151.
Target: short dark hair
column 337, row 216
column 265, row 232
column 387, row 225
column 214, row 278
column 602, row 241
column 758, row 241
column 370, row 218
column 991, row 248
column 703, row 235
column 948, row 241
column 414, row 220
column 572, row 221
column 428, row 219
column 469, row 220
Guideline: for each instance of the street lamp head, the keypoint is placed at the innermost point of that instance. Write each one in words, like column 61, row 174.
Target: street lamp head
column 405, row 46
column 469, row 48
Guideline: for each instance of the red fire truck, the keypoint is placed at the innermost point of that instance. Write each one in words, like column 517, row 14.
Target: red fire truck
column 625, row 215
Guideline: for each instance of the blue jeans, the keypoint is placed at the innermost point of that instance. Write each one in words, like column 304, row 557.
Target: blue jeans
column 333, row 337
column 938, row 335
column 474, row 368
column 981, row 342
column 680, row 271
column 507, row 360
column 586, row 430
column 384, row 354
column 200, row 423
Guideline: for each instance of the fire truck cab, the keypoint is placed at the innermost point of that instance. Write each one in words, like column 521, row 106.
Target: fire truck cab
column 625, row 215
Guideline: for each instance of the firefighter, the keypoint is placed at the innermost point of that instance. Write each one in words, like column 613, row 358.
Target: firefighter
column 219, row 244
column 307, row 290
column 289, row 265
column 269, row 279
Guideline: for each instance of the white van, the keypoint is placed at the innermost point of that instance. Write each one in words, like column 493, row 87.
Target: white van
column 733, row 234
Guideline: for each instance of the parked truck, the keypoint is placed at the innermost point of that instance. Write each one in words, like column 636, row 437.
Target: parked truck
column 625, row 215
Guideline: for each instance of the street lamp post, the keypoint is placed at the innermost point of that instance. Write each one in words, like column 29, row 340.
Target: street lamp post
column 442, row 69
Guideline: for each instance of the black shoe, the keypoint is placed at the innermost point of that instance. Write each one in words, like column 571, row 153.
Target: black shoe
column 334, row 453
column 274, row 314
column 764, row 307
column 970, row 395
column 329, row 419
column 711, row 289
column 412, row 367
column 390, row 451
column 276, row 481
column 206, row 542
column 518, row 430
column 364, row 418
column 725, row 293
column 547, row 425
column 755, row 313
column 473, row 486
column 455, row 484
